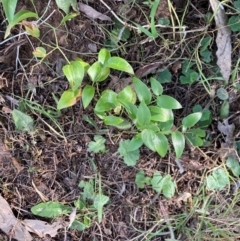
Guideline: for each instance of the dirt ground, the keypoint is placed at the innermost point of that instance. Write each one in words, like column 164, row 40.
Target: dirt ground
column 44, row 164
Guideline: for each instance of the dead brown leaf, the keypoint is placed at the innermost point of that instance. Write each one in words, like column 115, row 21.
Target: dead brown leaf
column 92, row 13
column 10, row 225
column 223, row 39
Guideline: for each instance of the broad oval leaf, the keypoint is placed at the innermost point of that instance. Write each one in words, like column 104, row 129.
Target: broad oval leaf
column 222, row 94
column 97, row 72
column 107, row 101
column 157, row 88
column 168, row 102
column 127, row 94
column 159, row 114
column 143, row 115
column 156, row 182
column 68, row 98
column 22, row 121
column 218, row 180
column 130, row 108
column 112, row 120
column 40, row 52
column 119, row 64
column 143, row 92
column 50, row 209
column 87, row 95
column 74, row 72
column 103, row 56
column 168, row 186
column 191, row 119
column 148, row 137
column 9, row 8
column 178, row 141
column 161, row 144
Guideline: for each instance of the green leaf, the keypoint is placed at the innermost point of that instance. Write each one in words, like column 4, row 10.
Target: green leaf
column 88, row 190
column 99, row 201
column 168, row 102
column 233, row 165
column 224, row 109
column 23, row 122
column 143, row 115
column 112, row 120
column 107, row 101
column 222, row 94
column 87, row 95
column 40, row 52
column 164, row 77
column 161, row 144
column 168, row 186
column 9, row 7
column 178, row 141
column 130, row 156
column 194, row 136
column 127, row 94
column 68, row 17
column 65, row 5
column 148, row 138
column 135, row 143
column 119, row 64
column 190, row 77
column 77, row 225
column 236, row 4
column 205, row 42
column 206, row 56
column 156, row 182
column 143, row 92
column 97, row 72
column 98, row 145
column 50, row 209
column 103, row 56
column 31, row 29
column 234, row 23
column 159, row 114
column 218, row 180
column 74, row 73
column 68, row 98
column 141, row 179
column 156, row 87
column 191, row 120
column 130, row 108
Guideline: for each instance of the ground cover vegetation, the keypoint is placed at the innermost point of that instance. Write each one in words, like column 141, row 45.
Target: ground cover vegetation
column 119, row 120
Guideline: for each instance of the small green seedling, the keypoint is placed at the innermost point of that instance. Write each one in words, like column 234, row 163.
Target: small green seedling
column 189, row 76
column 205, row 53
column 98, row 145
column 222, row 94
column 159, row 183
column 218, row 179
column 22, row 121
column 9, row 7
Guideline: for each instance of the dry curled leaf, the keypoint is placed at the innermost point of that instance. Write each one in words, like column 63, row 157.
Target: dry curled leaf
column 223, row 39
column 10, row 225
column 92, row 13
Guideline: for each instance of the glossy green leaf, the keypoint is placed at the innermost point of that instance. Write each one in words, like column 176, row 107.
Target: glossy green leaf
column 22, row 121
column 142, row 91
column 178, row 141
column 87, row 95
column 106, row 102
column 124, row 125
column 127, row 94
column 50, row 209
column 218, row 179
column 135, row 143
column 233, row 165
column 194, row 136
column 148, row 138
column 97, row 72
column 191, row 120
column 130, row 108
column 68, row 98
column 161, row 144
column 103, row 56
column 119, row 64
column 168, row 102
column 112, row 120
column 159, row 114
column 143, row 115
column 156, row 87
column 9, row 7
column 74, row 72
